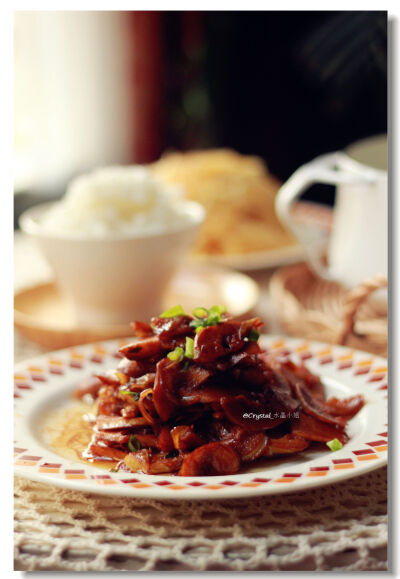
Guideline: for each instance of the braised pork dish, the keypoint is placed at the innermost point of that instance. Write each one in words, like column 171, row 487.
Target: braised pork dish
column 197, row 395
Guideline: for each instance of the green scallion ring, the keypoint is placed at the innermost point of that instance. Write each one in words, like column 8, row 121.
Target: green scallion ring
column 200, row 313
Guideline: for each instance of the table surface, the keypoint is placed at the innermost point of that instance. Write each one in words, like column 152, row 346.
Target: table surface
column 337, row 527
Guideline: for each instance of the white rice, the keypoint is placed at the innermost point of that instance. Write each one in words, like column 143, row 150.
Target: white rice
column 115, row 200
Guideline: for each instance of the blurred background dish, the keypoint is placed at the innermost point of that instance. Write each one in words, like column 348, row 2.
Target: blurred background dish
column 241, row 228
column 238, row 194
column 317, row 217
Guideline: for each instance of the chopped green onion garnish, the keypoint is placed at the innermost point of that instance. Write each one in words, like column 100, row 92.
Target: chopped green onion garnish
column 198, row 329
column 172, row 312
column 217, row 310
column 213, row 319
column 189, row 348
column 334, row 445
column 176, row 355
column 253, row 335
column 205, row 317
column 200, row 313
column 197, row 323
column 133, row 443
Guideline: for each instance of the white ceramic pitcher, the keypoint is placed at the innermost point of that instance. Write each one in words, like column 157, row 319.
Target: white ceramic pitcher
column 358, row 246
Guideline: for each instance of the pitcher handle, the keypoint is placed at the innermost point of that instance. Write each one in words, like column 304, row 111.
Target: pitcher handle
column 326, row 169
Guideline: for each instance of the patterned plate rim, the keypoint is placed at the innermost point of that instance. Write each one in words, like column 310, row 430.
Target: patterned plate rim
column 358, row 371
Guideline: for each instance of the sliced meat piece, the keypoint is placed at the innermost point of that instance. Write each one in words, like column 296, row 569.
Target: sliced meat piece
column 112, row 378
column 164, row 395
column 215, row 458
column 146, row 380
column 315, row 407
column 130, row 411
column 118, row 422
column 307, row 391
column 165, row 442
column 100, row 452
column 161, row 464
column 141, row 329
column 288, row 444
column 147, row 408
column 347, row 407
column 151, row 463
column 108, row 402
column 136, row 368
column 111, row 438
column 312, row 429
column 195, row 375
column 245, row 356
column 184, row 438
column 203, row 395
column 147, row 440
column 312, row 381
column 143, row 349
column 249, row 445
column 280, row 391
column 251, row 376
column 217, row 341
column 172, row 328
column 214, row 342
column 250, row 324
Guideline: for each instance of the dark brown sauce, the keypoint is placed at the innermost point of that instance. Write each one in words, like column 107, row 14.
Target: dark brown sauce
column 68, row 433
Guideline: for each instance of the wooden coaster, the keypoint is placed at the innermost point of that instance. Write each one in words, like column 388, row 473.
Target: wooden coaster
column 42, row 315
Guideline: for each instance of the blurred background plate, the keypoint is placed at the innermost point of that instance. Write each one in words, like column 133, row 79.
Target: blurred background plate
column 313, row 215
column 256, row 260
column 42, row 314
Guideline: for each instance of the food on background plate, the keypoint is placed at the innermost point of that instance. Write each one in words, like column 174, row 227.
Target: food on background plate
column 238, row 194
column 116, row 200
column 197, row 395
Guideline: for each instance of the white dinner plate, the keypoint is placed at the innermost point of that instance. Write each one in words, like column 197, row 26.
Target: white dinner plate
column 44, row 386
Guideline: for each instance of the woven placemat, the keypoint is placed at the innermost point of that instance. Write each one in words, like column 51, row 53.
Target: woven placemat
column 341, row 527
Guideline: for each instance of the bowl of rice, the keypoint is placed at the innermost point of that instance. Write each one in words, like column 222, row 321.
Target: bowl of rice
column 114, row 241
